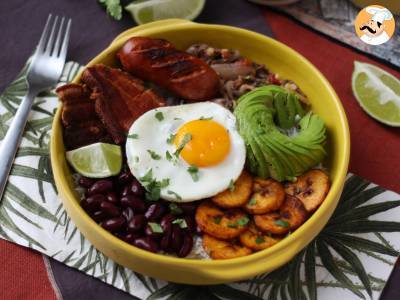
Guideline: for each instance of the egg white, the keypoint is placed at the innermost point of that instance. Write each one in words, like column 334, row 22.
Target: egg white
column 152, row 134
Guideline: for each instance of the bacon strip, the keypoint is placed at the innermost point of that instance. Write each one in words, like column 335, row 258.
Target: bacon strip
column 119, row 98
column 81, row 124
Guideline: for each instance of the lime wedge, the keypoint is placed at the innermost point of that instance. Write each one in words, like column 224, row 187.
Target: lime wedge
column 153, row 10
column 378, row 92
column 96, row 160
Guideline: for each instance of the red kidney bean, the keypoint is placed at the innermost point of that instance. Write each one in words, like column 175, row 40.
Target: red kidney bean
column 191, row 225
column 127, row 213
column 166, row 221
column 187, row 245
column 124, row 178
column 126, row 191
column 136, row 223
column 176, row 238
column 137, row 204
column 188, row 208
column 99, row 216
column 100, row 187
column 112, row 197
column 130, row 237
column 146, row 243
column 150, row 233
column 92, row 203
column 165, row 242
column 155, row 211
column 113, row 224
column 86, row 182
column 110, row 209
column 136, row 188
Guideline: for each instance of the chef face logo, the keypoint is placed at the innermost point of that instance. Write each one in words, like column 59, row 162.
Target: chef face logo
column 374, row 25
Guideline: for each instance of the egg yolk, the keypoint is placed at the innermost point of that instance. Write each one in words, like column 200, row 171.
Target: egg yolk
column 209, row 144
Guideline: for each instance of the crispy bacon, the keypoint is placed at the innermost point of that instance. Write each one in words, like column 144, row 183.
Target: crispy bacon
column 119, row 98
column 81, row 124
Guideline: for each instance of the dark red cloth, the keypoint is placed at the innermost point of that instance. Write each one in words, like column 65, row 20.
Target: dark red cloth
column 375, row 148
column 23, row 274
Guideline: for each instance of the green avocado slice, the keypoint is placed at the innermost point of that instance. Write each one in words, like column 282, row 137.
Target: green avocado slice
column 263, row 115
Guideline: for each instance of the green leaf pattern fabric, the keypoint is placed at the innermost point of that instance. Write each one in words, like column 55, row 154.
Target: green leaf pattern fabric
column 350, row 259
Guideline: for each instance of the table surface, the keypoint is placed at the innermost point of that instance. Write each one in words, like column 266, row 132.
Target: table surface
column 375, row 147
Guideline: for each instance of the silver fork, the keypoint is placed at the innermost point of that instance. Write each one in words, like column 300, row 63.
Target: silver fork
column 44, row 71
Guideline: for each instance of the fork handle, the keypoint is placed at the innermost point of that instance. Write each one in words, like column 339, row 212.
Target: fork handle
column 13, row 137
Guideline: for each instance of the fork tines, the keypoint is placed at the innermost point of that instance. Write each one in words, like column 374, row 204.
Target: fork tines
column 46, row 44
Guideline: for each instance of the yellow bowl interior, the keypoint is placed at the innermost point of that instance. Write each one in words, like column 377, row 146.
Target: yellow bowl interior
column 278, row 58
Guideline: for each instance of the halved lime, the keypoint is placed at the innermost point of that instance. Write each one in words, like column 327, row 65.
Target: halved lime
column 153, row 10
column 378, row 92
column 98, row 160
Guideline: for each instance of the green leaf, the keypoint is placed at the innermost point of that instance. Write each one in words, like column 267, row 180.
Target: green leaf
column 193, row 170
column 186, row 139
column 175, row 209
column 282, row 223
column 159, row 116
column 353, row 260
column 154, row 155
column 364, row 226
column 113, row 7
column 175, row 194
column 356, row 242
column 231, row 186
column 7, row 223
column 294, row 286
column 15, row 194
column 309, row 270
column 365, row 211
column 171, row 138
column 329, row 263
column 133, row 136
column 155, row 227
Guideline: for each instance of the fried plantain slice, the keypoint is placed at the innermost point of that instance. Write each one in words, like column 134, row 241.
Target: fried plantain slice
column 222, row 224
column 293, row 212
column 271, row 222
column 219, row 249
column 238, row 195
column 257, row 240
column 268, row 196
column 311, row 188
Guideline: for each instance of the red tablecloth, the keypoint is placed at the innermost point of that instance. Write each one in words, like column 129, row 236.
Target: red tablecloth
column 375, row 148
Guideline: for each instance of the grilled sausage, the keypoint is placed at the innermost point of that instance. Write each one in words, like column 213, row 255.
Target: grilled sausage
column 159, row 61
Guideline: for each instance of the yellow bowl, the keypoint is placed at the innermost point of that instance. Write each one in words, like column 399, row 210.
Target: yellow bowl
column 278, row 58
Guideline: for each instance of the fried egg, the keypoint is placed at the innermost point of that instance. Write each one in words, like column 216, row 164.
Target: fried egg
column 193, row 151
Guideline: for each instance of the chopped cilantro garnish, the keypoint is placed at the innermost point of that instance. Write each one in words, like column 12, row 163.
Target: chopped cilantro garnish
column 242, row 221
column 194, row 172
column 168, row 156
column 252, row 202
column 232, row 225
column 148, row 177
column 260, row 240
column 204, row 118
column 181, row 222
column 175, row 194
column 152, row 186
column 186, row 139
column 175, row 209
column 282, row 223
column 217, row 219
column 171, row 138
column 231, row 186
column 133, row 136
column 136, row 159
column 159, row 116
column 155, row 227
column 154, row 155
